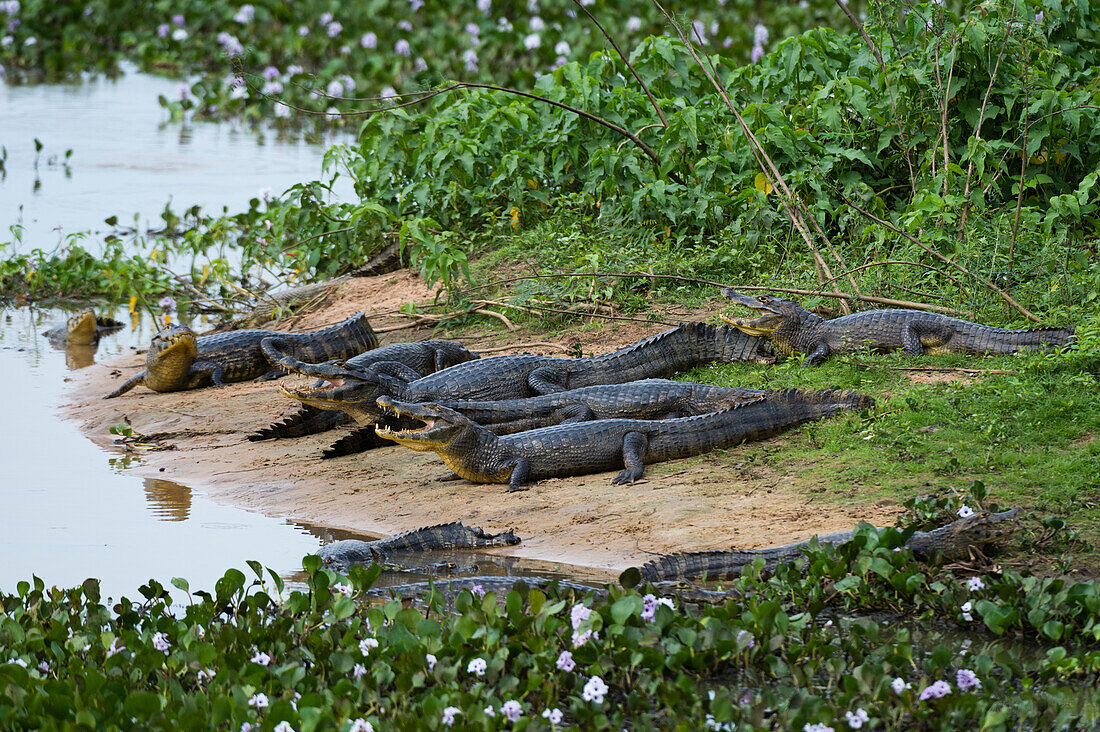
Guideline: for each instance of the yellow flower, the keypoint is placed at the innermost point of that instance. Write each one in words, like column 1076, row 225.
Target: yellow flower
column 761, row 183
column 515, row 218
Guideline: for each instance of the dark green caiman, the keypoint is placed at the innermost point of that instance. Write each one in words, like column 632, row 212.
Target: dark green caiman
column 455, row 535
column 477, row 454
column 645, row 399
column 178, row 359
column 405, row 361
column 792, row 329
column 524, row 375
column 952, row 541
column 82, row 329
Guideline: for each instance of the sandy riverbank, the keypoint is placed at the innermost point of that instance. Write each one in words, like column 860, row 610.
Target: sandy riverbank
column 707, row 502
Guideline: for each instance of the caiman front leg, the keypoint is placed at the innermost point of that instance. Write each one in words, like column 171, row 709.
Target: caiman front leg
column 634, row 447
column 202, row 370
column 521, row 470
column 396, row 369
column 572, row 413
column 819, row 354
column 127, row 385
column 546, row 380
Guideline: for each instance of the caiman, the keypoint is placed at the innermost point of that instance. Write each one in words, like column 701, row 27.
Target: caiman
column 82, row 329
column 476, row 454
column 792, row 330
column 645, row 399
column 522, row 376
column 178, row 359
column 952, row 541
column 455, row 535
column 405, row 361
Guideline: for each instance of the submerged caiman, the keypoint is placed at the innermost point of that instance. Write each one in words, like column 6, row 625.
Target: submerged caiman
column 82, row 329
column 405, row 361
column 792, row 329
column 454, row 535
column 524, row 375
column 952, row 542
column 477, row 454
column 178, row 359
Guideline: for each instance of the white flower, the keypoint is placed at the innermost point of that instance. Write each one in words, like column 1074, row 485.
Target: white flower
column 431, row 659
column 477, row 666
column 272, row 88
column 281, row 110
column 634, row 23
column 532, row 41
column 594, row 690
column 552, row 715
column 489, row 711
column 325, row 18
column 966, row 608
column 369, row 40
column 245, row 14
column 205, row 675
column 388, row 92
column 512, row 710
column 293, row 70
column 899, row 685
column 536, row 23
column 258, row 700
column 699, row 32
column 974, row 584
column 335, row 88
column 566, row 662
column 449, row 715
column 420, row 65
column 361, row 725
column 404, row 25
column 484, row 5
column 160, row 642
column 179, row 34
column 334, row 29
column 856, row 719
column 303, row 31
column 401, row 48
column 366, row 644
column 562, row 48
column 261, row 658
column 358, row 671
column 965, row 511
column 18, row 662
column 284, row 726
column 760, row 34
column 415, row 5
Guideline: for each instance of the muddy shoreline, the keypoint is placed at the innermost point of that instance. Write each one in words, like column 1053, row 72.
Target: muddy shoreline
column 706, row 502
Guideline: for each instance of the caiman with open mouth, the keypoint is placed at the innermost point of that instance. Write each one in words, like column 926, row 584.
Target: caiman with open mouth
column 178, row 359
column 792, row 329
column 476, row 454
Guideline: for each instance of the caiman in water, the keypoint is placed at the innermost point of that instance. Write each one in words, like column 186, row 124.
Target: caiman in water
column 178, row 359
column 476, row 454
column 83, row 329
column 405, row 361
column 952, row 542
column 523, row 376
column 792, row 329
column 455, row 535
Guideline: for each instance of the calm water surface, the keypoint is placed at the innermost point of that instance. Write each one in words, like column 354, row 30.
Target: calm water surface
column 69, row 509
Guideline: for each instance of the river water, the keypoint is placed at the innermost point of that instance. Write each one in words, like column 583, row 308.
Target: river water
column 68, row 509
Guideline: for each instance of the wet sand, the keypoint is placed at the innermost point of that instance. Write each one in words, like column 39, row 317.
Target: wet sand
column 711, row 501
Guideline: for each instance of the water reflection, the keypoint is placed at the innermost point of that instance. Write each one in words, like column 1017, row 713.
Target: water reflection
column 168, row 501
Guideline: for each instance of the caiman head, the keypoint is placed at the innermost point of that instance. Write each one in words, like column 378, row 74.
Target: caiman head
column 776, row 315
column 170, row 356
column 441, row 427
column 346, row 390
column 983, row 527
column 81, row 328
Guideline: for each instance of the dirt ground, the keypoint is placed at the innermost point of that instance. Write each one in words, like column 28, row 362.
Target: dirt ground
column 701, row 503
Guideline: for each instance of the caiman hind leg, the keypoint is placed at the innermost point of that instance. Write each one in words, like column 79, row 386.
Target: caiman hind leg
column 546, row 380
column 921, row 337
column 634, row 447
column 572, row 413
column 521, row 471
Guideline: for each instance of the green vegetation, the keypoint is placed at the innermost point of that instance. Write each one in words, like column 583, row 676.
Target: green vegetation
column 251, row 655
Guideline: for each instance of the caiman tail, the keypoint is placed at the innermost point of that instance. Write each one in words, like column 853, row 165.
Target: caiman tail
column 977, row 338
column 306, row 421
column 352, row 336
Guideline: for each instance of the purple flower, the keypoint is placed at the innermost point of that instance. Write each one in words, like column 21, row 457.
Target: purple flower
column 936, row 691
column 470, row 59
column 245, row 14
column 167, row 304
column 747, row 637
column 178, row 20
column 449, row 715
column 566, row 662
column 325, row 18
column 579, row 639
column 512, row 710
column 162, row 30
column 594, row 690
column 293, row 70
column 484, row 5
column 271, row 72
column 477, row 666
column 415, row 5
column 1039, row 17
column 161, row 643
column 404, row 25
column 757, row 53
column 477, row 590
column 857, row 718
column 369, row 40
column 578, row 614
column 759, row 34
column 532, row 41
column 649, row 607
column 401, row 48
column 334, row 29
column 974, row 584
column 967, row 680
column 303, row 31
column 358, row 671
column 420, row 65
column 366, row 644
column 431, row 661
column 965, row 511
column 552, row 715
column 230, row 45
